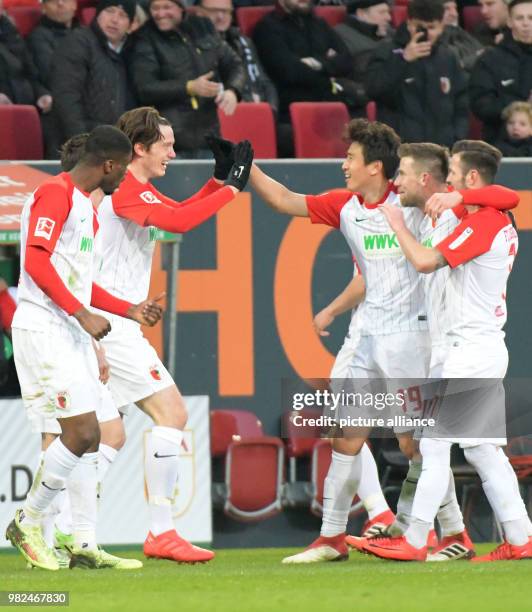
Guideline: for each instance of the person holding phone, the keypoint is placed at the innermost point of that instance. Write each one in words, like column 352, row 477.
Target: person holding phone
column 418, row 82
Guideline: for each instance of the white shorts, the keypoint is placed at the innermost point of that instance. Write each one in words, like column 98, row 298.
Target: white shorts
column 58, row 373
column 477, row 409
column 136, row 372
column 344, row 357
column 106, row 411
column 403, row 356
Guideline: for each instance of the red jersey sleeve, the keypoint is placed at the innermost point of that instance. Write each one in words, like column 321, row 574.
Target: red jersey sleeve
column 326, row 208
column 48, row 214
column 211, row 186
column 494, row 196
column 102, row 299
column 473, row 236
column 7, row 309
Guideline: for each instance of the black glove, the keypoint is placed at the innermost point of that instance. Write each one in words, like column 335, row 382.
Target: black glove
column 239, row 175
column 223, row 151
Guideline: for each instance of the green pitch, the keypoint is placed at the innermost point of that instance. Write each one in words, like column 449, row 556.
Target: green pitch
column 249, row 580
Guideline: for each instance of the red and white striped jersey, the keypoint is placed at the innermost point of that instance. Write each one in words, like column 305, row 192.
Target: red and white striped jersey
column 64, row 224
column 480, row 251
column 394, row 300
column 431, row 234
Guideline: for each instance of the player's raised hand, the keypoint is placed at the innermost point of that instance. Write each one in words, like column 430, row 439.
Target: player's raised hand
column 148, row 312
column 439, row 202
column 321, row 321
column 223, row 151
column 94, row 324
column 239, row 174
column 394, row 215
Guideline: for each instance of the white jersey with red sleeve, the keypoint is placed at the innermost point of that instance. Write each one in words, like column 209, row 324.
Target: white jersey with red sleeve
column 60, row 219
column 480, row 252
column 432, row 233
column 394, row 300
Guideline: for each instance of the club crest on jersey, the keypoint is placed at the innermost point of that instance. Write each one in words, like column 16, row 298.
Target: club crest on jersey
column 62, row 400
column 150, row 198
column 155, row 374
column 461, row 239
column 44, row 228
column 445, row 84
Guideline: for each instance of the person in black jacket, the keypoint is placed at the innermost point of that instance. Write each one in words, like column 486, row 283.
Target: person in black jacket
column 19, row 81
column 182, row 67
column 503, row 74
column 491, row 30
column 89, row 78
column 56, row 23
column 258, row 86
column 418, row 82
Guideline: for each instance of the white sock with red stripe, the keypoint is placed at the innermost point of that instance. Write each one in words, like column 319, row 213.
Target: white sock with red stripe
column 340, row 487
column 369, row 488
column 82, row 487
column 57, row 464
column 161, row 464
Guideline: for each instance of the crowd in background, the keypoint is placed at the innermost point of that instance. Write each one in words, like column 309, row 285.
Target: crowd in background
column 426, row 77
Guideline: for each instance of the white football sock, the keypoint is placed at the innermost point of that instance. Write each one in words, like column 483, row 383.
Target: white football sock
column 161, row 465
column 449, row 515
column 81, row 487
column 431, row 489
column 106, row 455
column 58, row 462
column 63, row 520
column 340, row 487
column 369, row 488
column 406, row 499
column 500, row 488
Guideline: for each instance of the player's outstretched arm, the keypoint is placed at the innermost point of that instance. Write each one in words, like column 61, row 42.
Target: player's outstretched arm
column 148, row 312
column 277, row 196
column 350, row 297
column 492, row 196
column 424, row 259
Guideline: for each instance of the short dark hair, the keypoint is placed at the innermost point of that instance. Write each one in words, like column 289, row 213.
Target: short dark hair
column 72, row 151
column 379, row 142
column 480, row 156
column 515, row 3
column 426, row 10
column 142, row 125
column 103, row 143
column 432, row 157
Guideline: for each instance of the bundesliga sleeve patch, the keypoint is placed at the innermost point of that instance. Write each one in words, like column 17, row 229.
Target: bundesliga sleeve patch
column 150, row 198
column 461, row 239
column 44, row 228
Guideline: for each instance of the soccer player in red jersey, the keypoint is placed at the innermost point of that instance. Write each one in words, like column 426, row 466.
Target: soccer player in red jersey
column 127, row 242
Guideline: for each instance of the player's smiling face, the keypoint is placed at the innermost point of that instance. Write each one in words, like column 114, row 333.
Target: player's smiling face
column 408, row 183
column 160, row 153
column 356, row 171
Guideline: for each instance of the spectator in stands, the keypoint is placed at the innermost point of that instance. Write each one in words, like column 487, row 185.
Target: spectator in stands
column 307, row 60
column 56, row 23
column 503, row 74
column 258, row 86
column 19, row 81
column 466, row 46
column 417, row 81
column 182, row 67
column 366, row 25
column 516, row 140
column 495, row 22
column 89, row 77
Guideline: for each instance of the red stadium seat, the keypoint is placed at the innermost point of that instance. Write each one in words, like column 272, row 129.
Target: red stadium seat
column 87, row 15
column 25, row 18
column 402, row 2
column 471, row 17
column 231, row 425
column 20, row 132
column 254, row 478
column 371, row 111
column 475, row 128
column 10, row 3
column 333, row 15
column 247, row 17
column 318, row 128
column 399, row 14
column 299, row 440
column 254, row 122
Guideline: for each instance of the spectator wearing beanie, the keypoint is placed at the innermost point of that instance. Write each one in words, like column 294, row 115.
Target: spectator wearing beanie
column 181, row 66
column 89, row 78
